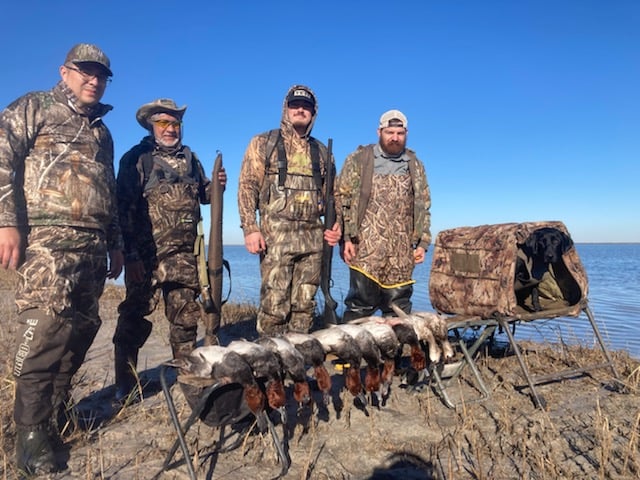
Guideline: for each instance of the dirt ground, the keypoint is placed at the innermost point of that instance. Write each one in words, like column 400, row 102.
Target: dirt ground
column 589, row 429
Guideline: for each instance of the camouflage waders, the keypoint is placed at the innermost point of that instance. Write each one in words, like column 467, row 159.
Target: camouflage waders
column 171, row 271
column 381, row 272
column 62, row 280
column 290, row 269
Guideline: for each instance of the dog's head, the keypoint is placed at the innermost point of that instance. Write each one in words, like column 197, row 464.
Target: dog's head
column 548, row 244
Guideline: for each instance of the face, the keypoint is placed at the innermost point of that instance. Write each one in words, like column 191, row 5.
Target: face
column 300, row 114
column 87, row 82
column 167, row 129
column 393, row 139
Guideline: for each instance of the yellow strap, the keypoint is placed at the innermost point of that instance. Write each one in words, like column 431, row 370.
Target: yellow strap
column 382, row 285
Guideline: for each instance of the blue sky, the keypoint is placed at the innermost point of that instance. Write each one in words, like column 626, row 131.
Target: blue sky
column 520, row 110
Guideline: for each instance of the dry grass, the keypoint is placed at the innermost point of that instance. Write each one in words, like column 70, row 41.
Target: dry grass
column 587, row 431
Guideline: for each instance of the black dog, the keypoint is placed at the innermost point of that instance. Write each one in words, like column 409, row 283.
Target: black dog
column 543, row 247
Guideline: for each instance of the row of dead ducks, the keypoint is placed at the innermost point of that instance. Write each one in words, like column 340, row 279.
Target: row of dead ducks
column 376, row 340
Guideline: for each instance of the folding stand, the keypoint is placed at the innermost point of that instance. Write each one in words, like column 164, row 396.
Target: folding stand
column 206, row 398
column 448, row 374
column 532, row 381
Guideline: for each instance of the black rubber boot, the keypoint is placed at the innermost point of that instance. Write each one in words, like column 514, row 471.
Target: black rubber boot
column 34, row 452
column 126, row 362
column 363, row 298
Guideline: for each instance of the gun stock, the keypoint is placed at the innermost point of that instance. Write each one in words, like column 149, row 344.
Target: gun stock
column 215, row 255
column 330, row 316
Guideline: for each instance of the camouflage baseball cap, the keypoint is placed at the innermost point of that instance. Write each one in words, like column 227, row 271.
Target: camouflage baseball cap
column 161, row 105
column 393, row 118
column 88, row 53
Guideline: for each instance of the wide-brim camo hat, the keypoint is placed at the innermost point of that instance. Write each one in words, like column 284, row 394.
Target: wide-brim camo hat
column 161, row 105
column 88, row 53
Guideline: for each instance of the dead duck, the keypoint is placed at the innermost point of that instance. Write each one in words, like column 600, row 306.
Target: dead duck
column 293, row 363
column 224, row 366
column 440, row 329
column 407, row 335
column 431, row 329
column 266, row 366
column 314, row 355
column 389, row 346
column 370, row 354
column 345, row 347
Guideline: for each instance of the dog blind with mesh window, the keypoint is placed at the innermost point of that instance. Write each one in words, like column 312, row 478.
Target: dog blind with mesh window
column 473, row 271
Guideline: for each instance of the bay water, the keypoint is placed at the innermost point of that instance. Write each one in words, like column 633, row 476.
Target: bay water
column 613, row 271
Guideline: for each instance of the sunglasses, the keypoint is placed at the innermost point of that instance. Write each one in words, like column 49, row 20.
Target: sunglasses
column 86, row 76
column 165, row 123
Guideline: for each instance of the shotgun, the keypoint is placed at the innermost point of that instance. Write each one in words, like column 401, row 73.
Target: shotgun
column 330, row 316
column 215, row 260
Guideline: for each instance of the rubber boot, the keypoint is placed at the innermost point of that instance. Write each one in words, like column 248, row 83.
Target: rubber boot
column 126, row 362
column 34, row 453
column 363, row 298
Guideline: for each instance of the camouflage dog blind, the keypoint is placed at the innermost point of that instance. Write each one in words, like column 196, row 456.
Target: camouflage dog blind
column 473, row 272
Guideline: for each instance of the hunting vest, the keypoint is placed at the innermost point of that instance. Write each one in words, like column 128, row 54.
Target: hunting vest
column 365, row 158
column 291, row 196
column 173, row 200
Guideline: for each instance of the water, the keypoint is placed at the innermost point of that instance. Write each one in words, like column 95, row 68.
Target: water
column 614, row 278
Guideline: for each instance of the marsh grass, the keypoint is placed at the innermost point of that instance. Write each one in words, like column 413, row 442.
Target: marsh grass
column 587, row 431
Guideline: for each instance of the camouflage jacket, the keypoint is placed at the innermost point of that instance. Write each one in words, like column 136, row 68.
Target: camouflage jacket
column 353, row 187
column 56, row 165
column 159, row 197
column 257, row 179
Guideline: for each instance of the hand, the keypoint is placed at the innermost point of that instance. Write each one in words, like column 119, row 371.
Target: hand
column 255, row 243
column 222, row 176
column 418, row 255
column 332, row 237
column 116, row 261
column 349, row 252
column 10, row 247
column 134, row 271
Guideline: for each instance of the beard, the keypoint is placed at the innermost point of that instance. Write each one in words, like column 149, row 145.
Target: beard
column 392, row 147
column 168, row 142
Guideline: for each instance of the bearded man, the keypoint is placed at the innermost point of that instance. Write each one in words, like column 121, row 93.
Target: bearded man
column 383, row 195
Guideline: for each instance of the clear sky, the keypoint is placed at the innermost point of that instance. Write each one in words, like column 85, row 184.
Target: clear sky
column 521, row 110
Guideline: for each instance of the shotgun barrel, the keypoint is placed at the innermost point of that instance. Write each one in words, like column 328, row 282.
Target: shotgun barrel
column 330, row 316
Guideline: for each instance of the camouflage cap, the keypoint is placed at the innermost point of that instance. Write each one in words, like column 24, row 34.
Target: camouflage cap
column 88, row 53
column 161, row 105
column 393, row 118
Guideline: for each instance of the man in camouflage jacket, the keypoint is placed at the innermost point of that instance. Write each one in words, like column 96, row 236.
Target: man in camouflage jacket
column 282, row 177
column 383, row 244
column 161, row 184
column 59, row 228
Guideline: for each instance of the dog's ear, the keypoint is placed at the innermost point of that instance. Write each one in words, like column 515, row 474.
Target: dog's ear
column 532, row 243
column 566, row 243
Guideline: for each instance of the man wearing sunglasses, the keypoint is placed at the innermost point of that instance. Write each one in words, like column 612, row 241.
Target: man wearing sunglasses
column 161, row 184
column 59, row 229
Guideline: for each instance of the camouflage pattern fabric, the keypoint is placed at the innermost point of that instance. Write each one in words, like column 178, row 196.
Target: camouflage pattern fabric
column 61, row 281
column 290, row 221
column 63, row 272
column 473, row 270
column 56, row 163
column 385, row 252
column 351, row 200
column 159, row 224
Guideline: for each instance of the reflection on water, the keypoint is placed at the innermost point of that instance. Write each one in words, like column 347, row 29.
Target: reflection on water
column 614, row 279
